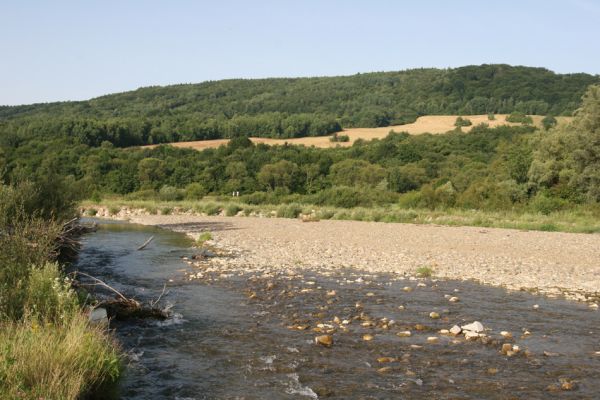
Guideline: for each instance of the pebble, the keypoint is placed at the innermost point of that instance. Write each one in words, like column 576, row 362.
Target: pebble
column 324, row 340
column 386, row 360
column 384, row 370
column 506, row 335
column 433, row 339
column 367, row 337
column 404, row 334
column 408, row 289
column 434, row 315
column 473, row 327
column 453, row 299
column 469, row 335
column 444, row 331
column 536, row 306
column 455, row 330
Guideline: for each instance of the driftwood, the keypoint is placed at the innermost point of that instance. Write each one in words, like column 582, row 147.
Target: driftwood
column 67, row 242
column 120, row 306
column 146, row 243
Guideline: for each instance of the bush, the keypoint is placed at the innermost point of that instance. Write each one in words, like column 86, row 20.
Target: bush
column 49, row 297
column 204, row 237
column 491, row 117
column 195, row 191
column 519, row 118
column 256, row 198
column 211, row 209
column 113, row 210
column 339, row 138
column 166, row 211
column 289, row 211
column 232, row 210
column 546, row 205
column 91, row 212
column 146, row 194
column 460, row 121
column 549, row 122
column 170, row 193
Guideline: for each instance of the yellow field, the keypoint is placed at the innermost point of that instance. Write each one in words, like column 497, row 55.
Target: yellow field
column 434, row 124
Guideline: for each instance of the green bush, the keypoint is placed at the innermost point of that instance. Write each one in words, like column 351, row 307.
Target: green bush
column 546, row 205
column 491, row 117
column 289, row 211
column 204, row 237
column 166, row 210
column 549, row 122
column 339, row 138
column 49, row 296
column 146, row 194
column 232, row 210
column 211, row 209
column 114, row 210
column 195, row 191
column 519, row 118
column 460, row 121
column 91, row 212
column 170, row 193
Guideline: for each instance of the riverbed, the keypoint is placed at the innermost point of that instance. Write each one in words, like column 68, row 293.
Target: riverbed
column 240, row 334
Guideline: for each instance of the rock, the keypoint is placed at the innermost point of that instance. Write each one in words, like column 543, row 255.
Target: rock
column 401, row 308
column 506, row 347
column 455, row 330
column 324, row 340
column 404, row 334
column 453, row 299
column 98, row 316
column 506, row 335
column 420, row 327
column 433, row 339
column 434, row 315
column 469, row 335
column 444, row 332
column 550, row 354
column 331, row 293
column 407, row 289
column 336, row 320
column 492, row 371
column 384, row 370
column 536, row 306
column 383, row 360
column 473, row 327
column 367, row 337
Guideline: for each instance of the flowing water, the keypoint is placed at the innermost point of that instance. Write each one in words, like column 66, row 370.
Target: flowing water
column 252, row 336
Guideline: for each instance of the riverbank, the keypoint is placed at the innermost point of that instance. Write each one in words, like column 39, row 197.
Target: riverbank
column 553, row 263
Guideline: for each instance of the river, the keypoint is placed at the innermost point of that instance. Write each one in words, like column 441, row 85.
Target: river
column 251, row 337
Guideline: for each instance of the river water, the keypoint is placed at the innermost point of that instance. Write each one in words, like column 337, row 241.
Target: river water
column 252, row 337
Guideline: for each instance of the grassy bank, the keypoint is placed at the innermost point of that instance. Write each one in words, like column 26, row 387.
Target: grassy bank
column 577, row 219
column 48, row 348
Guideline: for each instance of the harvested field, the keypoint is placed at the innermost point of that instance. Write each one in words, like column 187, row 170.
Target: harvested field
column 434, row 124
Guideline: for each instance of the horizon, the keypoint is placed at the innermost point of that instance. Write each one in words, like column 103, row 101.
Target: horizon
column 68, row 51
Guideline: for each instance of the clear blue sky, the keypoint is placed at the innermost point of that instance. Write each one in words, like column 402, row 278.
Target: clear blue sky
column 71, row 50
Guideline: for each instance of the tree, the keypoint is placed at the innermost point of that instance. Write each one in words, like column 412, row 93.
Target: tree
column 282, row 174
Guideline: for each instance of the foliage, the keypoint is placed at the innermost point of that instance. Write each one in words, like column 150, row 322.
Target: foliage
column 204, row 237
column 460, row 121
column 519, row 118
column 339, row 138
column 549, row 122
column 287, row 108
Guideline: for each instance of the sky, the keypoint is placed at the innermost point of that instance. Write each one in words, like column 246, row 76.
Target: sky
column 74, row 50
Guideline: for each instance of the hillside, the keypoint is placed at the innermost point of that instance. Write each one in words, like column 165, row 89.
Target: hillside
column 295, row 107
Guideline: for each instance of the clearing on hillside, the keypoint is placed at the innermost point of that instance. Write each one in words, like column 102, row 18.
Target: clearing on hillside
column 434, row 124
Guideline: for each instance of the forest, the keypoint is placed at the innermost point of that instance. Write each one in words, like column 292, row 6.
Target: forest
column 500, row 168
column 293, row 107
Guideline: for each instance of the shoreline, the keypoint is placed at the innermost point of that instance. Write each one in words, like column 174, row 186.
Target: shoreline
column 555, row 264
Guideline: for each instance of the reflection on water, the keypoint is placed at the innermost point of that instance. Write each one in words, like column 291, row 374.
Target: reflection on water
column 230, row 339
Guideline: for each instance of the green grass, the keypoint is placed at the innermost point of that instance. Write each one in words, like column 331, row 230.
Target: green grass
column 204, row 237
column 424, row 272
column 580, row 219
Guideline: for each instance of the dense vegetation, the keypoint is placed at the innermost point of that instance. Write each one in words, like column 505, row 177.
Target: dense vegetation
column 493, row 169
column 48, row 349
column 285, row 108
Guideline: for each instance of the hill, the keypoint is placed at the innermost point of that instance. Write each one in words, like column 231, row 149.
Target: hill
column 295, row 107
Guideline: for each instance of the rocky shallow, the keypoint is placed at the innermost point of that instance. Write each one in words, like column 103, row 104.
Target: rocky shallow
column 553, row 263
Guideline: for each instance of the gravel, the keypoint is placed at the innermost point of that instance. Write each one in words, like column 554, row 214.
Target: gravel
column 551, row 262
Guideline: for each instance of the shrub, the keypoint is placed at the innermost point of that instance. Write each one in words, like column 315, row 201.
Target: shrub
column 289, row 211
column 211, row 209
column 91, row 212
column 460, row 121
column 519, row 118
column 410, row 199
column 491, row 117
column 113, row 210
column 195, row 191
column 256, row 198
column 166, row 210
column 549, row 122
column 146, row 194
column 232, row 210
column 339, row 138
column 546, row 205
column 424, row 272
column 170, row 193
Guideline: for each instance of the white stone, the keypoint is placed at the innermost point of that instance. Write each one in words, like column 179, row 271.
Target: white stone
column 455, row 330
column 473, row 327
